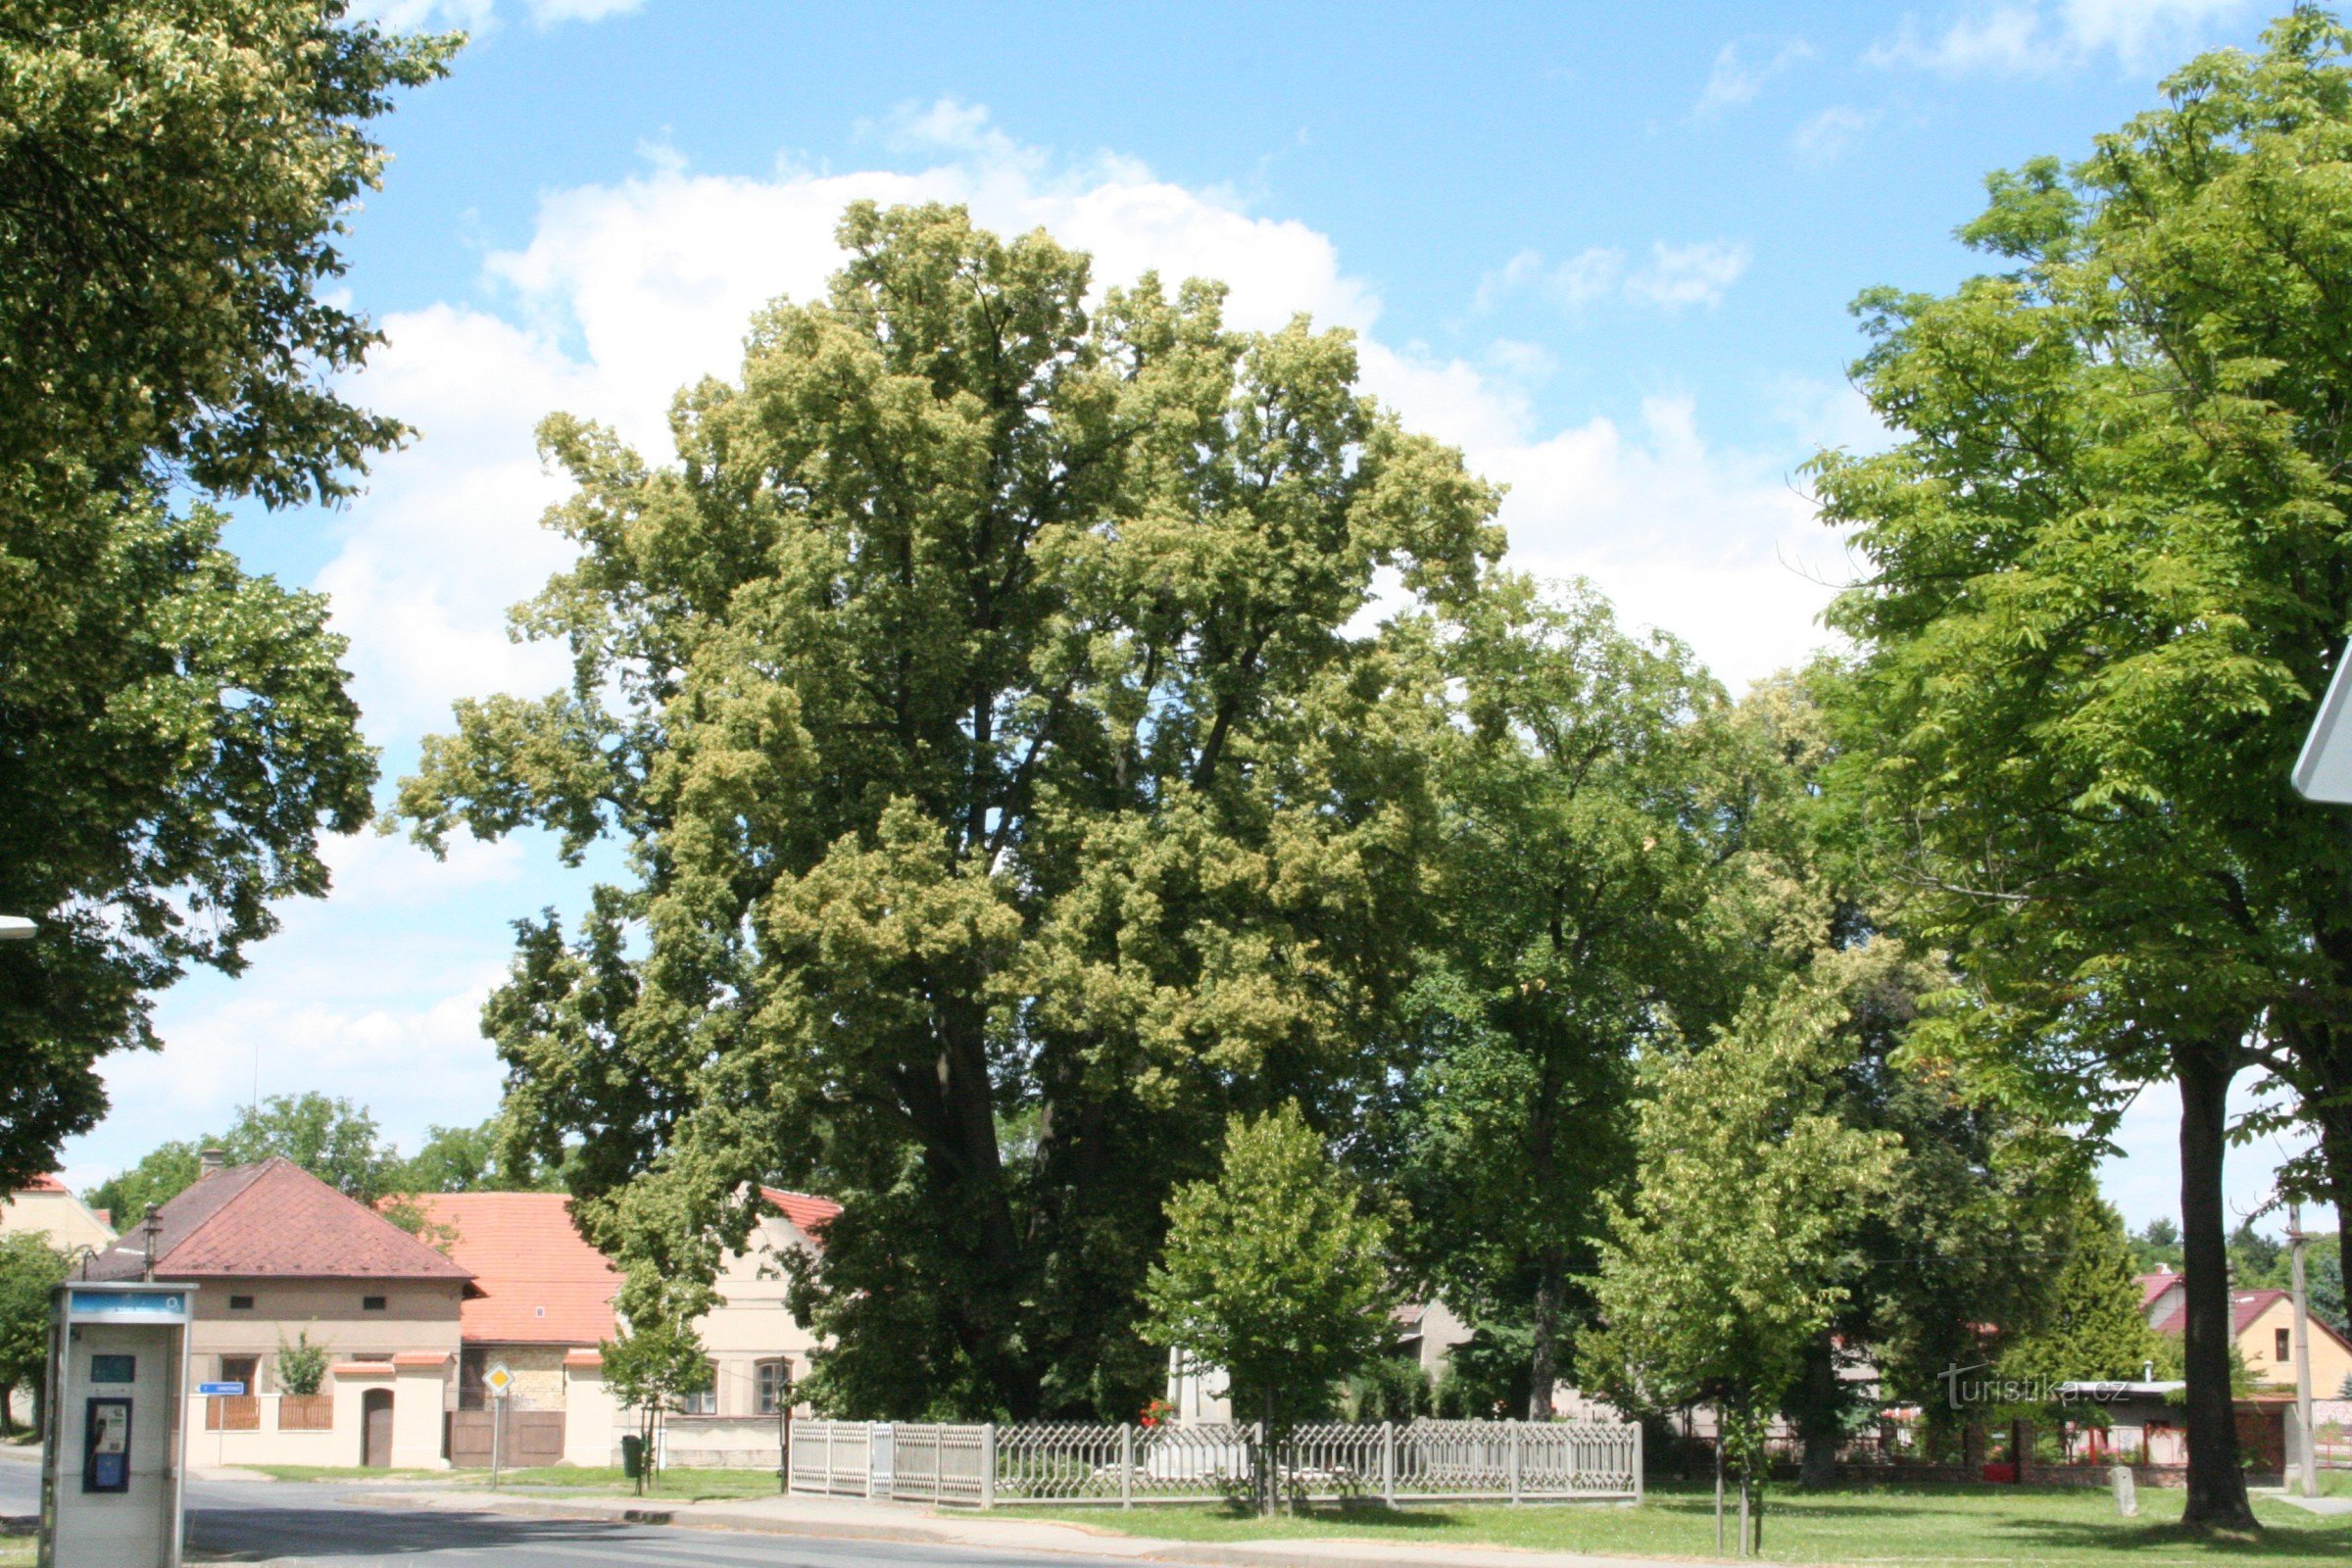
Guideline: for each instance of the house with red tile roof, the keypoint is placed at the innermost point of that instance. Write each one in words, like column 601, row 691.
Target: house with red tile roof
column 278, row 1258
column 2262, row 1326
column 543, row 1303
column 49, row 1208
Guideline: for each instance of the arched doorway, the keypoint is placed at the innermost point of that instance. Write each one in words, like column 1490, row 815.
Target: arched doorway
column 375, row 1428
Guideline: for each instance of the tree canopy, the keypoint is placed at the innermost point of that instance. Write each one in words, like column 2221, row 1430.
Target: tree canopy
column 976, row 699
column 2102, row 594
column 1274, row 1271
column 174, row 733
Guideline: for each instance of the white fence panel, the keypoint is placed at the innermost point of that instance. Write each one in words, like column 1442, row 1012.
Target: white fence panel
column 941, row 1464
column 1047, row 1462
column 832, row 1459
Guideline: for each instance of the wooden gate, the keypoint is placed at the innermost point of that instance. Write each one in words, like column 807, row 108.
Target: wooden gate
column 534, row 1438
column 376, row 1429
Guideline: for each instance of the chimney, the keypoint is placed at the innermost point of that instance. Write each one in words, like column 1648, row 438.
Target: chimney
column 210, row 1162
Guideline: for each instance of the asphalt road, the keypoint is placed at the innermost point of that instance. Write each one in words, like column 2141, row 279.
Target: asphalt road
column 311, row 1524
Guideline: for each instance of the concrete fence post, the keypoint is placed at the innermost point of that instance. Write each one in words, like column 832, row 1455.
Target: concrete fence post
column 1126, row 1465
column 1388, row 1463
column 1640, row 1462
column 1514, row 1425
column 988, row 1465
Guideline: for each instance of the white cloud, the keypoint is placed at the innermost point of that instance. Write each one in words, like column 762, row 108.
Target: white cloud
column 1676, row 276
column 1823, row 139
column 2029, row 39
column 1738, row 77
column 1689, row 274
column 480, row 16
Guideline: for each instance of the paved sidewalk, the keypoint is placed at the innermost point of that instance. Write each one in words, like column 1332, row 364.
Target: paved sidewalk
column 849, row 1520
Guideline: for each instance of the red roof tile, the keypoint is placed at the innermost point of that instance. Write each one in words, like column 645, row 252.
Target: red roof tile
column 540, row 1280
column 272, row 1219
column 2151, row 1286
column 45, row 1184
column 808, row 1214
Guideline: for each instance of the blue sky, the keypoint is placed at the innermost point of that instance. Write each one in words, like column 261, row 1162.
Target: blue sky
column 1607, row 249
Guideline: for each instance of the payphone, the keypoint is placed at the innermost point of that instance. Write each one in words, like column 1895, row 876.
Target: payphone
column 111, row 1461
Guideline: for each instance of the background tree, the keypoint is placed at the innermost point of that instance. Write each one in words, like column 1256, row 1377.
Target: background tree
column 2103, row 591
column 2094, row 1326
column 976, row 699
column 1571, row 851
column 1275, row 1272
column 175, row 734
column 29, row 1269
column 333, row 1139
column 1733, row 1252
column 481, row 1158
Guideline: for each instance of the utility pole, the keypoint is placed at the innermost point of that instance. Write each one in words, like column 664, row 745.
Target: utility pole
column 2307, row 1460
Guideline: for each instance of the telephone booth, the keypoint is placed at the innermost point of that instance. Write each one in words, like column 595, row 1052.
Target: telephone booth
column 111, row 1461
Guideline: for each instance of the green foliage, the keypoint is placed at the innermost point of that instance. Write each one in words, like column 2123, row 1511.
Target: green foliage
column 2092, row 1326
column 654, row 1365
column 338, row 1142
column 1487, row 1375
column 1390, row 1387
column 481, row 1158
column 333, row 1139
column 302, row 1365
column 1575, row 830
column 162, row 1174
column 175, row 734
column 2102, row 593
column 2156, row 1246
column 975, row 698
column 29, row 1269
column 1733, row 1252
column 1273, row 1271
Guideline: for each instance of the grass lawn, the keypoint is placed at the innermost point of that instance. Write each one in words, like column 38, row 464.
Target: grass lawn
column 1863, row 1525
column 18, row 1549
column 329, row 1471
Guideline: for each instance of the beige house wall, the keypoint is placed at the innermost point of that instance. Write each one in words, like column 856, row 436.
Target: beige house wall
column 592, row 1427
column 61, row 1216
column 755, row 1325
column 2257, row 1347
column 419, row 1326
column 417, row 1315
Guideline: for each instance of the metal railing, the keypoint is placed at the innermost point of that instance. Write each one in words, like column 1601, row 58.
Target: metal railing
column 991, row 1466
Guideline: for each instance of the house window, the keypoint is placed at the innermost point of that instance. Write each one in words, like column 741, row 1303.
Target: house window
column 775, row 1385
column 2287, row 1346
column 371, row 1303
column 240, row 1304
column 702, row 1403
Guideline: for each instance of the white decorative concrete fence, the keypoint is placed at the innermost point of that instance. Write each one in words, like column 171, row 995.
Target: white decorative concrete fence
column 989, row 1466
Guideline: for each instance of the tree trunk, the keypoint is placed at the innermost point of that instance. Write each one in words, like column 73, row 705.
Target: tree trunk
column 1818, row 1419
column 1544, row 1365
column 2217, row 1487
